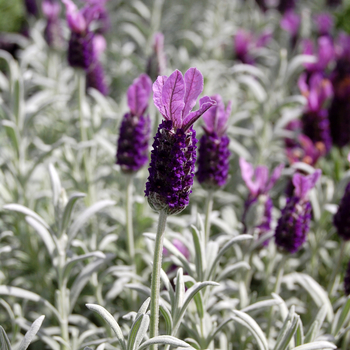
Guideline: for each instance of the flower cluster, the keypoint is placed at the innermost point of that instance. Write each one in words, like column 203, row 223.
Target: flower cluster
column 213, row 158
column 132, row 152
column 259, row 197
column 173, row 156
column 294, row 223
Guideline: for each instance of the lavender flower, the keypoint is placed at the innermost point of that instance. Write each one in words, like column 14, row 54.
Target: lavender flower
column 294, row 223
column 132, row 152
column 173, row 156
column 324, row 23
column 325, row 53
column 315, row 118
column 31, row 7
column 80, row 46
column 259, row 193
column 156, row 64
column 213, row 160
column 339, row 111
column 102, row 18
column 290, row 22
column 286, row 5
column 95, row 76
column 53, row 30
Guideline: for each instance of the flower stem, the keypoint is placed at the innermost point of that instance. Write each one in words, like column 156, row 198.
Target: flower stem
column 208, row 209
column 335, row 271
column 129, row 227
column 155, row 284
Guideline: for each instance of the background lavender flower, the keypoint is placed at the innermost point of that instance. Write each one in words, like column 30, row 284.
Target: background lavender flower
column 259, row 193
column 102, row 18
column 213, row 155
column 339, row 111
column 95, row 76
column 315, row 117
column 324, row 23
column 294, row 223
column 32, row 7
column 80, row 46
column 156, row 63
column 173, row 156
column 53, row 30
column 290, row 22
column 132, row 152
column 286, row 5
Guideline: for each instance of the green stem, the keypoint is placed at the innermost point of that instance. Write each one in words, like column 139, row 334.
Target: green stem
column 208, row 209
column 155, row 284
column 276, row 289
column 128, row 211
column 335, row 271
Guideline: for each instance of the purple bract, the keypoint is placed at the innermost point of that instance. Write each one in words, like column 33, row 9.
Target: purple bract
column 132, row 152
column 324, row 23
column 294, row 223
column 173, row 156
column 213, row 159
column 290, row 22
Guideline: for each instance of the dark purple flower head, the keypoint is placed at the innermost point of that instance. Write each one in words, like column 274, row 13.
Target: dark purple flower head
column 286, row 5
column 294, row 223
column 51, row 8
column 324, row 55
column 290, row 22
column 156, row 64
column 173, row 156
column 132, row 152
column 324, row 23
column 213, row 160
column 31, row 7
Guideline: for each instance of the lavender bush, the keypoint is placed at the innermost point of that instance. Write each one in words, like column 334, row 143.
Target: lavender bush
column 255, row 251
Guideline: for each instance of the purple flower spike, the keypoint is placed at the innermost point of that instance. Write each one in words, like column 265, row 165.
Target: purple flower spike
column 173, row 156
column 213, row 161
column 259, row 192
column 132, row 153
column 242, row 43
column 53, row 30
column 156, row 64
column 315, row 118
column 294, row 223
column 290, row 22
column 324, row 23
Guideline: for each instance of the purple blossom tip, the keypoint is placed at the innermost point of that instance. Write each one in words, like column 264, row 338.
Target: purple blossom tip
column 51, row 8
column 177, row 95
column 303, row 184
column 138, row 94
column 75, row 18
column 290, row 22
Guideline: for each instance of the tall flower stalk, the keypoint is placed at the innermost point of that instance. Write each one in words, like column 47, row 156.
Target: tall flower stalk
column 132, row 151
column 213, row 154
column 173, row 157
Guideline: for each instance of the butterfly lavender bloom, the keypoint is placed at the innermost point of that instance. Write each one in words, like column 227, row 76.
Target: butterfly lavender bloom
column 80, row 46
column 134, row 135
column 95, row 76
column 324, row 23
column 156, row 64
column 339, row 111
column 315, row 120
column 53, row 30
column 259, row 192
column 173, row 156
column 290, row 22
column 213, row 159
column 294, row 223
column 324, row 53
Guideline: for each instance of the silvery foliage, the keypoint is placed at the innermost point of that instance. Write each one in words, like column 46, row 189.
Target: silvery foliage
column 75, row 242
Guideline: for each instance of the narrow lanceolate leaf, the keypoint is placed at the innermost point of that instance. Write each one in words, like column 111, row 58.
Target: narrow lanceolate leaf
column 250, row 324
column 164, row 340
column 173, row 98
column 198, row 246
column 262, row 305
column 110, row 320
column 55, row 184
column 26, row 211
column 140, row 332
column 25, row 294
column 194, row 86
column 69, row 208
column 179, row 292
column 317, row 345
column 345, row 313
column 33, row 330
column 85, row 215
column 4, row 340
column 316, row 325
column 44, row 234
